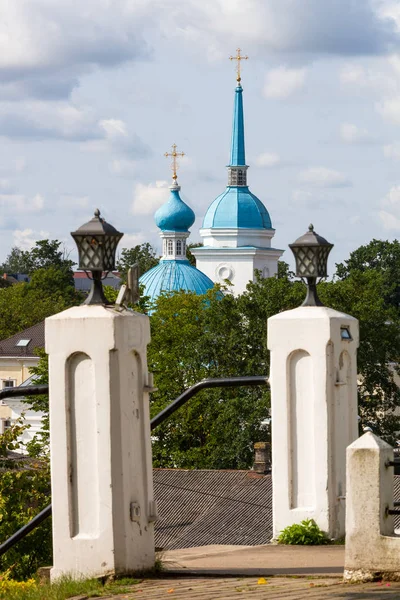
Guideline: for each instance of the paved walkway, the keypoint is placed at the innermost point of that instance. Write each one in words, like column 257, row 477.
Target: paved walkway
column 256, row 560
column 256, row 572
column 282, row 588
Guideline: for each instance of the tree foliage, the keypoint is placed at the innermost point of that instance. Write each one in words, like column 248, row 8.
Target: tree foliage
column 44, row 254
column 189, row 255
column 22, row 305
column 24, row 492
column 142, row 254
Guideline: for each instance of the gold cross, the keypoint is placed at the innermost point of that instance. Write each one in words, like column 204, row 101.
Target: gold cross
column 174, row 164
column 238, row 57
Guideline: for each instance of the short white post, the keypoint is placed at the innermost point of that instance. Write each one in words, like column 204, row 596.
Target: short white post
column 101, row 466
column 314, row 414
column 372, row 549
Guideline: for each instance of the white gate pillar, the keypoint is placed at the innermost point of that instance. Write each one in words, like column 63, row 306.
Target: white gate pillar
column 314, row 414
column 101, row 467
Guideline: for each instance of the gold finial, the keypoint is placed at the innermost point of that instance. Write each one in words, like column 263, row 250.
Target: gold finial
column 238, row 57
column 174, row 164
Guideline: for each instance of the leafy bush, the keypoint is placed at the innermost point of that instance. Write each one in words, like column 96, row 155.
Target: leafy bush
column 24, row 492
column 307, row 533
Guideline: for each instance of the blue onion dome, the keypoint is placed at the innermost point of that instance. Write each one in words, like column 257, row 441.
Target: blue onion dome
column 174, row 215
column 173, row 276
column 237, row 208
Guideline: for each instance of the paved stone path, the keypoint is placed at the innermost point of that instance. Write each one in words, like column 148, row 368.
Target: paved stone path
column 282, row 588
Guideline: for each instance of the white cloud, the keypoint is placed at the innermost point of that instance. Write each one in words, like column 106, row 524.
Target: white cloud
column 132, row 239
column 147, row 198
column 123, row 167
column 351, row 134
column 306, row 198
column 324, row 178
column 268, row 159
column 42, row 40
column 282, row 82
column 26, row 238
column 379, row 79
column 390, row 209
column 287, row 26
column 71, row 201
column 21, row 204
column 392, row 151
column 390, row 110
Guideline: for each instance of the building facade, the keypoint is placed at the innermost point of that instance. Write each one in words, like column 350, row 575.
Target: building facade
column 237, row 229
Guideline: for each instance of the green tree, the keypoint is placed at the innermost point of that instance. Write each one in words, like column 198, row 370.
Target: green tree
column 380, row 256
column 194, row 337
column 24, row 304
column 143, row 254
column 189, row 254
column 24, row 492
column 44, row 254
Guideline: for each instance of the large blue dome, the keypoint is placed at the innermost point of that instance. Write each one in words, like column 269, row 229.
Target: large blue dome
column 174, row 215
column 237, row 208
column 174, row 275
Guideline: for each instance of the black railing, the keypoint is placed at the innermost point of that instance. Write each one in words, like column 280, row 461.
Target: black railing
column 220, row 382
column 20, row 392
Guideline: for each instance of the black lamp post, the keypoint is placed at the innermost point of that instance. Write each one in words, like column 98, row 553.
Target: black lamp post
column 311, row 252
column 97, row 243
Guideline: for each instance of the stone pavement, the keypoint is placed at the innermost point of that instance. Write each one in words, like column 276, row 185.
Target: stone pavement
column 256, row 572
column 282, row 588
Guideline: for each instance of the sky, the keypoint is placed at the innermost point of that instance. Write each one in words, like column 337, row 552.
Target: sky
column 93, row 93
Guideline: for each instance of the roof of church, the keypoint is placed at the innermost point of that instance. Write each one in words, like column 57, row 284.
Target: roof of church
column 238, row 154
column 174, row 275
column 235, row 208
column 174, row 215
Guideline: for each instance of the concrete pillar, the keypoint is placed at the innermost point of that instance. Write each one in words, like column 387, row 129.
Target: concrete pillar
column 372, row 549
column 101, row 467
column 314, row 414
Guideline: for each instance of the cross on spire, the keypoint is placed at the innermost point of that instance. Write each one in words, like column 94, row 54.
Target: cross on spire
column 174, row 163
column 238, row 58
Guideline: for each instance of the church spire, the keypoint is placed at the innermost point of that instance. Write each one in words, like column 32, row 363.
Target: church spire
column 237, row 166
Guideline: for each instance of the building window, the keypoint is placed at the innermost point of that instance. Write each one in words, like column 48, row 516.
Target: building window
column 179, row 247
column 164, row 247
column 183, row 247
column 237, row 177
column 8, row 383
column 170, row 246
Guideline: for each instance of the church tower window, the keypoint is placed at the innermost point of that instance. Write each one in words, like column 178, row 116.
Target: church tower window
column 170, row 247
column 178, row 247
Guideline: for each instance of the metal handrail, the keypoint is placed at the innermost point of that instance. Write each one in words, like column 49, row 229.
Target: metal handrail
column 28, row 390
column 157, row 420
column 206, row 384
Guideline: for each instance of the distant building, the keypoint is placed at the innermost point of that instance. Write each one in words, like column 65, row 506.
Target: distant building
column 17, row 357
column 237, row 229
column 83, row 283
column 174, row 272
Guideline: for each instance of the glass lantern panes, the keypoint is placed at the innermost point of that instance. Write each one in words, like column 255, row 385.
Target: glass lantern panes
column 97, row 253
column 306, row 262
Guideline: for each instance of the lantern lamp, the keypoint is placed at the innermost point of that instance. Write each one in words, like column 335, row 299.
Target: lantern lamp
column 311, row 253
column 97, row 243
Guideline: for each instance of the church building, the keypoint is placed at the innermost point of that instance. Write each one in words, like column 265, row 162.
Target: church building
column 174, row 272
column 237, row 229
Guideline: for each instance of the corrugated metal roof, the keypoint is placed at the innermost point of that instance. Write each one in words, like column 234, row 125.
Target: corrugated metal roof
column 199, row 508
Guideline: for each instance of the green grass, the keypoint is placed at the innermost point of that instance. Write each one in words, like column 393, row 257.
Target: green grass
column 63, row 589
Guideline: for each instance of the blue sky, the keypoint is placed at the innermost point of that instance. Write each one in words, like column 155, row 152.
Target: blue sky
column 93, row 93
